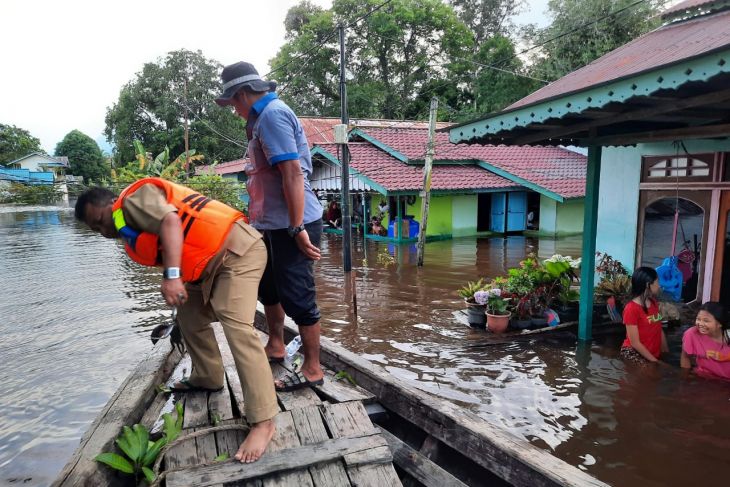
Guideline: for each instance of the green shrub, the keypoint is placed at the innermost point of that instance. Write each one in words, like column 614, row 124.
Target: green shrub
column 36, row 194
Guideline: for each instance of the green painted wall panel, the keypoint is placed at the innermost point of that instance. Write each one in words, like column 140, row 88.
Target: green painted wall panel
column 464, row 215
column 570, row 216
column 548, row 215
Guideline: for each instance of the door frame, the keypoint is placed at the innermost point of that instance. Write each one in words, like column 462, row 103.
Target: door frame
column 719, row 254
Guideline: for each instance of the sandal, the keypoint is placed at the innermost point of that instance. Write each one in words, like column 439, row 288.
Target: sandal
column 188, row 387
column 276, row 360
column 295, row 380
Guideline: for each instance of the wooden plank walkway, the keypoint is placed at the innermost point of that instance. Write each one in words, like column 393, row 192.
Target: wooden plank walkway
column 317, row 444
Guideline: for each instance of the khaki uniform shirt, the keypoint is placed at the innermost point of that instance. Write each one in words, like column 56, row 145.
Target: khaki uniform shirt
column 145, row 209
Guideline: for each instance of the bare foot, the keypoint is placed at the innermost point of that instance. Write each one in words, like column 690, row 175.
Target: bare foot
column 256, row 442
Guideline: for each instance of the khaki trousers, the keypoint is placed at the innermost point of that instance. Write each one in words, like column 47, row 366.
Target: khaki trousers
column 233, row 303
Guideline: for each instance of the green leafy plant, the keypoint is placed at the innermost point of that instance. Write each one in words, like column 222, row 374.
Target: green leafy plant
column 468, row 290
column 385, row 259
column 31, row 194
column 139, row 452
column 344, row 375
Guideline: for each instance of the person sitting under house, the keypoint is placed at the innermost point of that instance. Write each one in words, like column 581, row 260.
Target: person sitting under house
column 334, row 215
column 376, row 226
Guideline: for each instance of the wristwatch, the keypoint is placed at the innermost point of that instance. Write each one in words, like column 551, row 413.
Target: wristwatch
column 171, row 273
column 294, row 231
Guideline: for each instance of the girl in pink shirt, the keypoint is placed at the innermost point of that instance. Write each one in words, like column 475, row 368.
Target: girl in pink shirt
column 705, row 346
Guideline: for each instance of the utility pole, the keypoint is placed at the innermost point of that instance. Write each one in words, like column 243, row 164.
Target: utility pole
column 345, row 175
column 426, row 196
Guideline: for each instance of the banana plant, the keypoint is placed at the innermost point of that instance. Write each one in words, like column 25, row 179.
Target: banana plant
column 141, row 453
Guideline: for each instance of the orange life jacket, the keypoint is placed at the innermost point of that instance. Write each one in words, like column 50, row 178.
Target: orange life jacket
column 205, row 224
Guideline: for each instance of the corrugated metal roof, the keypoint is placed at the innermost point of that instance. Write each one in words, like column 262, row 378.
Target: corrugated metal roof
column 664, row 46
column 686, row 5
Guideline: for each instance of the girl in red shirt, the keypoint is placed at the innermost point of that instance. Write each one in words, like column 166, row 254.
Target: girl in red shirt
column 645, row 340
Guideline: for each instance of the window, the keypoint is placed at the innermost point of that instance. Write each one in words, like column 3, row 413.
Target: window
column 678, row 167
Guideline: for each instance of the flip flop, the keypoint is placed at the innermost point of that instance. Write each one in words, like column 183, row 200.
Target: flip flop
column 276, row 360
column 191, row 387
column 295, row 380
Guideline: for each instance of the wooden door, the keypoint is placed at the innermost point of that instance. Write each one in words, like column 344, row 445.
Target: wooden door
column 499, row 209
column 516, row 211
column 721, row 275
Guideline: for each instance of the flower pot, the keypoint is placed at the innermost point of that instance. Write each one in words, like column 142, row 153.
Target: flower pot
column 475, row 315
column 497, row 323
column 518, row 324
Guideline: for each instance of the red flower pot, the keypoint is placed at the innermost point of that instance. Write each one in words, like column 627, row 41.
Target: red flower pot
column 497, row 323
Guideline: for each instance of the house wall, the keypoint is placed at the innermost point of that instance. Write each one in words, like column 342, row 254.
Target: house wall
column 440, row 214
column 548, row 224
column 618, row 201
column 570, row 217
column 464, row 215
column 33, row 163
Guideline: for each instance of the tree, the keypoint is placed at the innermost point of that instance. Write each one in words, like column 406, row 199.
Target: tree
column 151, row 108
column 15, row 143
column 494, row 89
column 392, row 55
column 84, row 157
column 607, row 31
column 487, row 18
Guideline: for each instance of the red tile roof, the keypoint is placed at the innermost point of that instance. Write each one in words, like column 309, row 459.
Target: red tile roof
column 556, row 169
column 668, row 44
column 394, row 175
column 319, row 130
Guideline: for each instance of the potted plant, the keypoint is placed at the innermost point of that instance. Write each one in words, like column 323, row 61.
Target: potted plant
column 614, row 282
column 497, row 313
column 474, row 311
column 522, row 314
column 538, row 306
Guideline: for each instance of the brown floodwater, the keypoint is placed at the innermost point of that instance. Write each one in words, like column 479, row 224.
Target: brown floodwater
column 578, row 401
column 75, row 317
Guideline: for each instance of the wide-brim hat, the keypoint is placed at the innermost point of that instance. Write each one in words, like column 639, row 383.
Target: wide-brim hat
column 236, row 76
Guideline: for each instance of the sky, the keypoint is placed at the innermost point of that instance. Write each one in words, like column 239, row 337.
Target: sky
column 63, row 63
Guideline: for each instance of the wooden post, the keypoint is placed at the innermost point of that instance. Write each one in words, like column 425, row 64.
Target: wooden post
column 397, row 229
column 345, row 169
column 427, row 179
column 588, row 263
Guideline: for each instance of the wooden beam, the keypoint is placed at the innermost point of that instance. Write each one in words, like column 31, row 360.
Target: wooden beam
column 590, row 227
column 640, row 114
column 705, row 132
column 356, row 449
column 417, row 465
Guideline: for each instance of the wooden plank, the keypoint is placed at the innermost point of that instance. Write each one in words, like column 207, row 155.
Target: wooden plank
column 419, row 466
column 311, row 430
column 220, row 406
column 350, row 419
column 341, row 390
column 294, row 458
column 229, row 365
column 294, row 399
column 126, row 406
column 206, row 447
column 284, row 438
column 228, row 441
column 196, row 409
column 496, row 450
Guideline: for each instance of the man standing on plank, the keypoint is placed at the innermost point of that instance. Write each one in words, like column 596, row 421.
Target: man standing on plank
column 283, row 206
column 213, row 262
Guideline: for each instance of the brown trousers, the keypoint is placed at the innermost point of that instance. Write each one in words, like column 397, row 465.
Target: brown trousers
column 232, row 302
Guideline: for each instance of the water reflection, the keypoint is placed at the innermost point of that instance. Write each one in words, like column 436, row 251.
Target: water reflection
column 76, row 314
